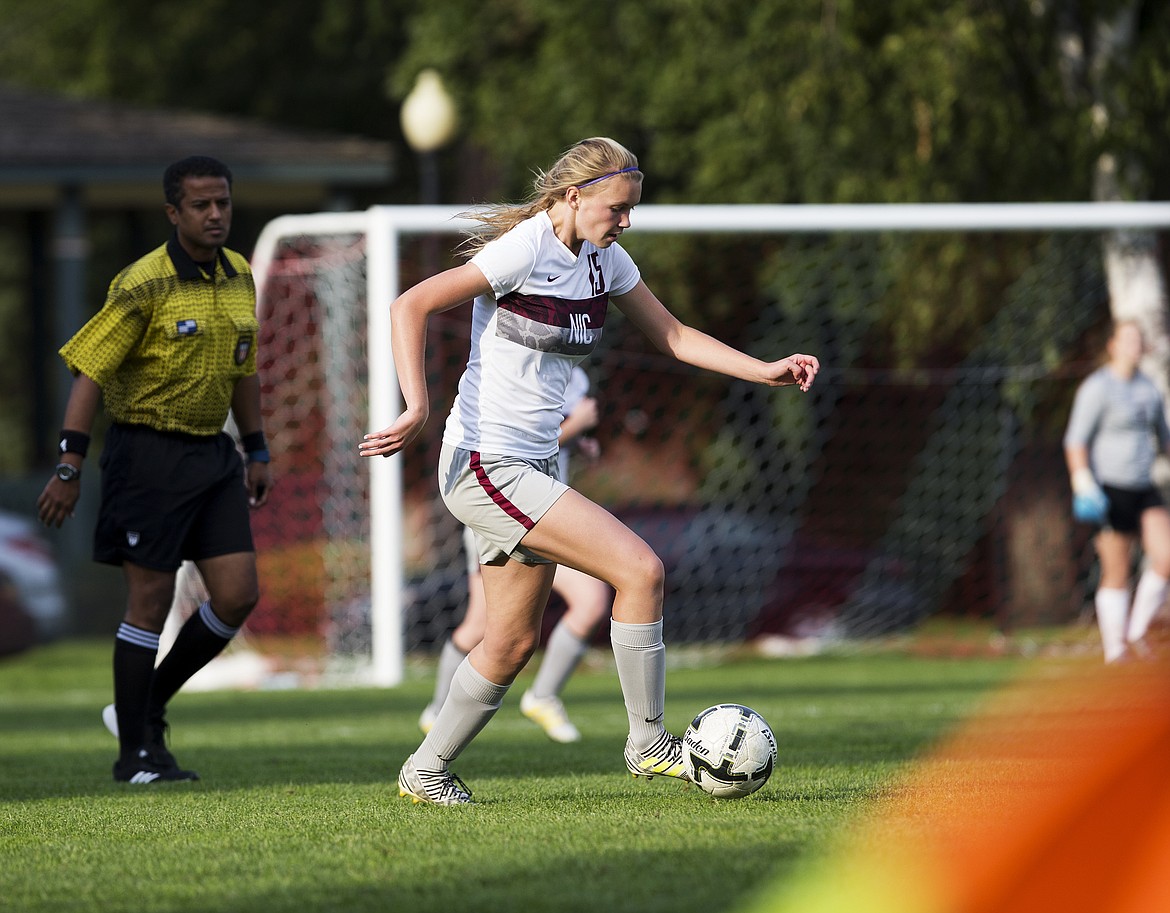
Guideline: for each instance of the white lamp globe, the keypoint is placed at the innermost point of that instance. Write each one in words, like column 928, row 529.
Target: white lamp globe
column 428, row 114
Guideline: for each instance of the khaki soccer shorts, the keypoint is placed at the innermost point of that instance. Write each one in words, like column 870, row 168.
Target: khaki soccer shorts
column 499, row 497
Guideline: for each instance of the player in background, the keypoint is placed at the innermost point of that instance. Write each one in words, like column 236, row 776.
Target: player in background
column 543, row 275
column 586, row 599
column 170, row 353
column 1116, row 430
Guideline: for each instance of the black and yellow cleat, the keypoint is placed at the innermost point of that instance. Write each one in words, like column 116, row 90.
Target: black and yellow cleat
column 662, row 759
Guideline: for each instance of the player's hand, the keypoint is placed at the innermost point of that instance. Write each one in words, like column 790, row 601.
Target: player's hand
column 1091, row 507
column 589, row 448
column 585, row 414
column 393, row 438
column 259, row 482
column 795, row 369
column 56, row 503
column 1090, row 503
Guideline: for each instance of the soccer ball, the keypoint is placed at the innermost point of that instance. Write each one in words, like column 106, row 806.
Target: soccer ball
column 729, row 751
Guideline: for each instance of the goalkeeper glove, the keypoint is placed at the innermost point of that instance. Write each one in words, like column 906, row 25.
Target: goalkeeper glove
column 1090, row 505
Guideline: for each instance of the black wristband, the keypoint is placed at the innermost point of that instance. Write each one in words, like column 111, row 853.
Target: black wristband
column 74, row 442
column 253, row 442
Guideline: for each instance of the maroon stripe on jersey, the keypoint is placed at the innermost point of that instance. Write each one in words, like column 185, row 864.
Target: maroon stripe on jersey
column 556, row 312
column 498, row 496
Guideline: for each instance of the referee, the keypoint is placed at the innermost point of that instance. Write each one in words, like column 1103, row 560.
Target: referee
column 172, row 350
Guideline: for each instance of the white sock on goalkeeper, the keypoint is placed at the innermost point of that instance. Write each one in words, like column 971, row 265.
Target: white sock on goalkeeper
column 1147, row 599
column 1112, row 609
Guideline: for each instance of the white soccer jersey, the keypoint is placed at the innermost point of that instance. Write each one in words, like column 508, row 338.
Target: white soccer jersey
column 547, row 314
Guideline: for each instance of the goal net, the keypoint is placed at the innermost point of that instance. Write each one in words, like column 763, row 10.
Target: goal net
column 923, row 474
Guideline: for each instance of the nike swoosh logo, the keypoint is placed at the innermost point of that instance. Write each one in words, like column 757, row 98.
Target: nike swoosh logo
column 553, row 278
column 657, row 719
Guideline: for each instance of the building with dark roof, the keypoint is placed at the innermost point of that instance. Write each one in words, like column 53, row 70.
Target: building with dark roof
column 81, row 196
column 114, row 154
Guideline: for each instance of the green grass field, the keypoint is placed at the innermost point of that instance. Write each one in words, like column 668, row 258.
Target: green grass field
column 298, row 810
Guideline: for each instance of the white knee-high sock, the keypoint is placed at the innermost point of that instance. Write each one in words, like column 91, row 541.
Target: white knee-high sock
column 1147, row 599
column 561, row 656
column 449, row 659
column 1112, row 610
column 472, row 701
column 641, row 666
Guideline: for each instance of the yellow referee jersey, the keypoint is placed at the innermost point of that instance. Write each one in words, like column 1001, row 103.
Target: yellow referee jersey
column 170, row 343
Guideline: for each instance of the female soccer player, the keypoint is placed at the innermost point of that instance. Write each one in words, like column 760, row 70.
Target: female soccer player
column 542, row 276
column 1115, row 431
column 586, row 600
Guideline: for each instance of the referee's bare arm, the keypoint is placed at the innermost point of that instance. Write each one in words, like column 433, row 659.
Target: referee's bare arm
column 249, row 420
column 59, row 497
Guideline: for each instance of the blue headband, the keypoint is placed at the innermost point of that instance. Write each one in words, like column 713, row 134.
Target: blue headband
column 610, row 175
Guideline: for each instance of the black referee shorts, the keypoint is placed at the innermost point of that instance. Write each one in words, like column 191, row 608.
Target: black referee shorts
column 167, row 497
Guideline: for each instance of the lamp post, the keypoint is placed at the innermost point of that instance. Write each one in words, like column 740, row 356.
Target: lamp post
column 429, row 121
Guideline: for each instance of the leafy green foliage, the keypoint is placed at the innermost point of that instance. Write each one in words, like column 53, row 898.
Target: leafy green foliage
column 774, row 101
column 299, row 64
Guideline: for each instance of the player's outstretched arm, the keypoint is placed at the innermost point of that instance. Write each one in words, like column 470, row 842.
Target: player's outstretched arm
column 409, row 315
column 697, row 348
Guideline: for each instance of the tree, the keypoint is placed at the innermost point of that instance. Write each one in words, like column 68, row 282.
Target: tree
column 299, row 64
column 778, row 101
column 774, row 101
column 1108, row 68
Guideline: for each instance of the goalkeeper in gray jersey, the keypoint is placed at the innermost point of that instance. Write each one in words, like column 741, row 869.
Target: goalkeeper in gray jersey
column 1115, row 432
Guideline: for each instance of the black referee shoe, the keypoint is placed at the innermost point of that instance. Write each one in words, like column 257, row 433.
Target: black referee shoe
column 148, row 768
column 157, row 732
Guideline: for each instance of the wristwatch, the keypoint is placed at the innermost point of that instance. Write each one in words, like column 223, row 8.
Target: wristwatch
column 67, row 472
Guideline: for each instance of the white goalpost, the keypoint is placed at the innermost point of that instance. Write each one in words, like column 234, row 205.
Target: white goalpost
column 379, row 234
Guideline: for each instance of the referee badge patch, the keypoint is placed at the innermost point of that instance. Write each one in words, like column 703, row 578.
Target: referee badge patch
column 243, row 347
column 187, row 327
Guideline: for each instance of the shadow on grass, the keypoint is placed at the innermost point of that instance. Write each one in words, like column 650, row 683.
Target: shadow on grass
column 273, row 756
column 662, row 881
column 826, row 714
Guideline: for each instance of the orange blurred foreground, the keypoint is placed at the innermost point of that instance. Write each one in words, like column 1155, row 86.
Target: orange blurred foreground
column 1055, row 797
